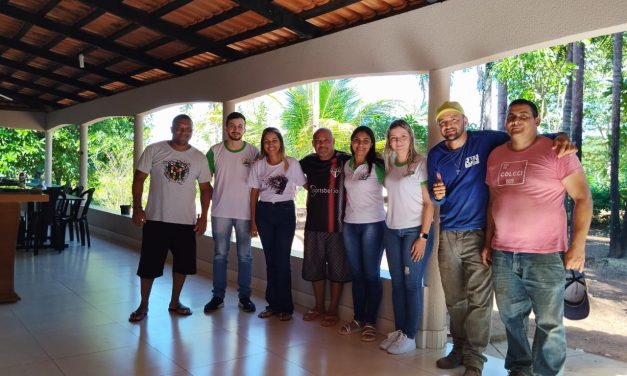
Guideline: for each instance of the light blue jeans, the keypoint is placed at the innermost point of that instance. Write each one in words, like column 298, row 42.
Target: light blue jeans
column 407, row 277
column 526, row 281
column 221, row 229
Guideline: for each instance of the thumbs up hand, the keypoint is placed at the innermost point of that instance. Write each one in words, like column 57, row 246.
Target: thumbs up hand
column 439, row 189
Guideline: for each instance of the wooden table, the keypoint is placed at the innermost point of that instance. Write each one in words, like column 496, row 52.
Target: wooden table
column 9, row 225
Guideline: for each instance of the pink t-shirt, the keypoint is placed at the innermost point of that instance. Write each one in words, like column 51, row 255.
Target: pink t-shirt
column 528, row 206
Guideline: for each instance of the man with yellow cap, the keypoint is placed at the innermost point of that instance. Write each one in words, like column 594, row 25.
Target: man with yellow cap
column 457, row 172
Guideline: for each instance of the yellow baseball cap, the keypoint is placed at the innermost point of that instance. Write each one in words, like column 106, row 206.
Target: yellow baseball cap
column 448, row 106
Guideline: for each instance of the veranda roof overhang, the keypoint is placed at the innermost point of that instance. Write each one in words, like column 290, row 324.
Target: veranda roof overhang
column 442, row 35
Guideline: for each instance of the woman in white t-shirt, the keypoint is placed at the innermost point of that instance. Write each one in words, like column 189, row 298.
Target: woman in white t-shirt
column 364, row 224
column 407, row 241
column 274, row 180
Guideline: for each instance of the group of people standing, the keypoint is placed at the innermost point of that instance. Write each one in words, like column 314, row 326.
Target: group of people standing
column 490, row 227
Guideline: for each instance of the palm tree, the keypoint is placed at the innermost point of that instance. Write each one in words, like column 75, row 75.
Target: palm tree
column 340, row 109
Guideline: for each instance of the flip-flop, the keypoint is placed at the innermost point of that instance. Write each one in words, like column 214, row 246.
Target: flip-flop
column 180, row 310
column 285, row 316
column 329, row 320
column 138, row 315
column 312, row 315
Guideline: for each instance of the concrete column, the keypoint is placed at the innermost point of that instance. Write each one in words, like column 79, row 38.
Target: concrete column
column 138, row 139
column 48, row 158
column 433, row 329
column 84, row 129
column 227, row 108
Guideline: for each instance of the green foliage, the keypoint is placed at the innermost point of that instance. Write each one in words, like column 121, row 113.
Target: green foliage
column 21, row 150
column 341, row 110
column 65, row 155
column 110, row 156
column 539, row 76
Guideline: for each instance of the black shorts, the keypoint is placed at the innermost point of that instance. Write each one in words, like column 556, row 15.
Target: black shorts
column 157, row 239
column 324, row 257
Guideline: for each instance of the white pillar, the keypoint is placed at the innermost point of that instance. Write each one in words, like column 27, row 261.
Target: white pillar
column 227, row 108
column 84, row 129
column 138, row 139
column 433, row 329
column 48, row 159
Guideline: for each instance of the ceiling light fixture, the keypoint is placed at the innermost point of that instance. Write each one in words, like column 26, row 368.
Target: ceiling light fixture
column 81, row 61
column 5, row 97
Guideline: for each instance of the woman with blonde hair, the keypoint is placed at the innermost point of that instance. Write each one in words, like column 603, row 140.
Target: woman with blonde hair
column 407, row 237
column 274, row 180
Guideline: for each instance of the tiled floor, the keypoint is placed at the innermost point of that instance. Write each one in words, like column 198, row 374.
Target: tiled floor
column 72, row 320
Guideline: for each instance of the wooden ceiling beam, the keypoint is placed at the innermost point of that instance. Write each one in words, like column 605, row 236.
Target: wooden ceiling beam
column 233, row 39
column 41, row 88
column 72, row 62
column 164, row 27
column 226, row 15
column 282, row 17
column 29, row 101
column 19, row 66
column 78, row 34
column 326, row 8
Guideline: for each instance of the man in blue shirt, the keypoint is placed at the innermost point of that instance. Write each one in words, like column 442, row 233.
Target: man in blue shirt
column 457, row 172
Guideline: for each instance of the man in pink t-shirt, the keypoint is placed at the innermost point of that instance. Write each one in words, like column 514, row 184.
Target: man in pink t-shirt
column 526, row 238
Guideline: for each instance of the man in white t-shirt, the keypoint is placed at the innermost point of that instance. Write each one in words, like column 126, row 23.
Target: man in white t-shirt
column 169, row 222
column 229, row 162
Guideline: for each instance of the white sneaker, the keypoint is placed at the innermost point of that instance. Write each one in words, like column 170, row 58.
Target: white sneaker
column 402, row 345
column 390, row 339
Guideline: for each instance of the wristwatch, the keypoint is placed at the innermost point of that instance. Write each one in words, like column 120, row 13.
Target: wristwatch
column 424, row 236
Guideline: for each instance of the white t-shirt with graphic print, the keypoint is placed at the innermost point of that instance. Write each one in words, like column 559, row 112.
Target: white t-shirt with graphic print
column 173, row 177
column 230, row 169
column 274, row 183
column 405, row 195
column 364, row 192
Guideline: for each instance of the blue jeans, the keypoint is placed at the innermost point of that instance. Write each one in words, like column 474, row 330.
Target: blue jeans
column 276, row 224
column 407, row 277
column 526, row 281
column 221, row 229
column 364, row 249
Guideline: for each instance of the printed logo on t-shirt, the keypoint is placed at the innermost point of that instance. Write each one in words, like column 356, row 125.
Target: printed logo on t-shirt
column 176, row 171
column 363, row 176
column 313, row 191
column 246, row 162
column 471, row 161
column 335, row 171
column 512, row 173
column 277, row 183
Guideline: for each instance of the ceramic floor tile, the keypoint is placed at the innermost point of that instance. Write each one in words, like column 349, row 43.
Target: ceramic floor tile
column 253, row 365
column 276, row 335
column 344, row 356
column 42, row 368
column 61, row 343
column 170, row 327
column 194, row 351
column 68, row 321
column 140, row 359
column 12, row 327
column 21, row 350
column 73, row 320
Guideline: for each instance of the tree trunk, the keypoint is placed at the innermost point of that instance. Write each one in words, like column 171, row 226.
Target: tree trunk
column 617, row 80
column 567, row 112
column 579, row 60
column 501, row 105
column 484, row 84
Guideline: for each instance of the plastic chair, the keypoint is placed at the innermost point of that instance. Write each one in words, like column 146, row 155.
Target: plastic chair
column 81, row 219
